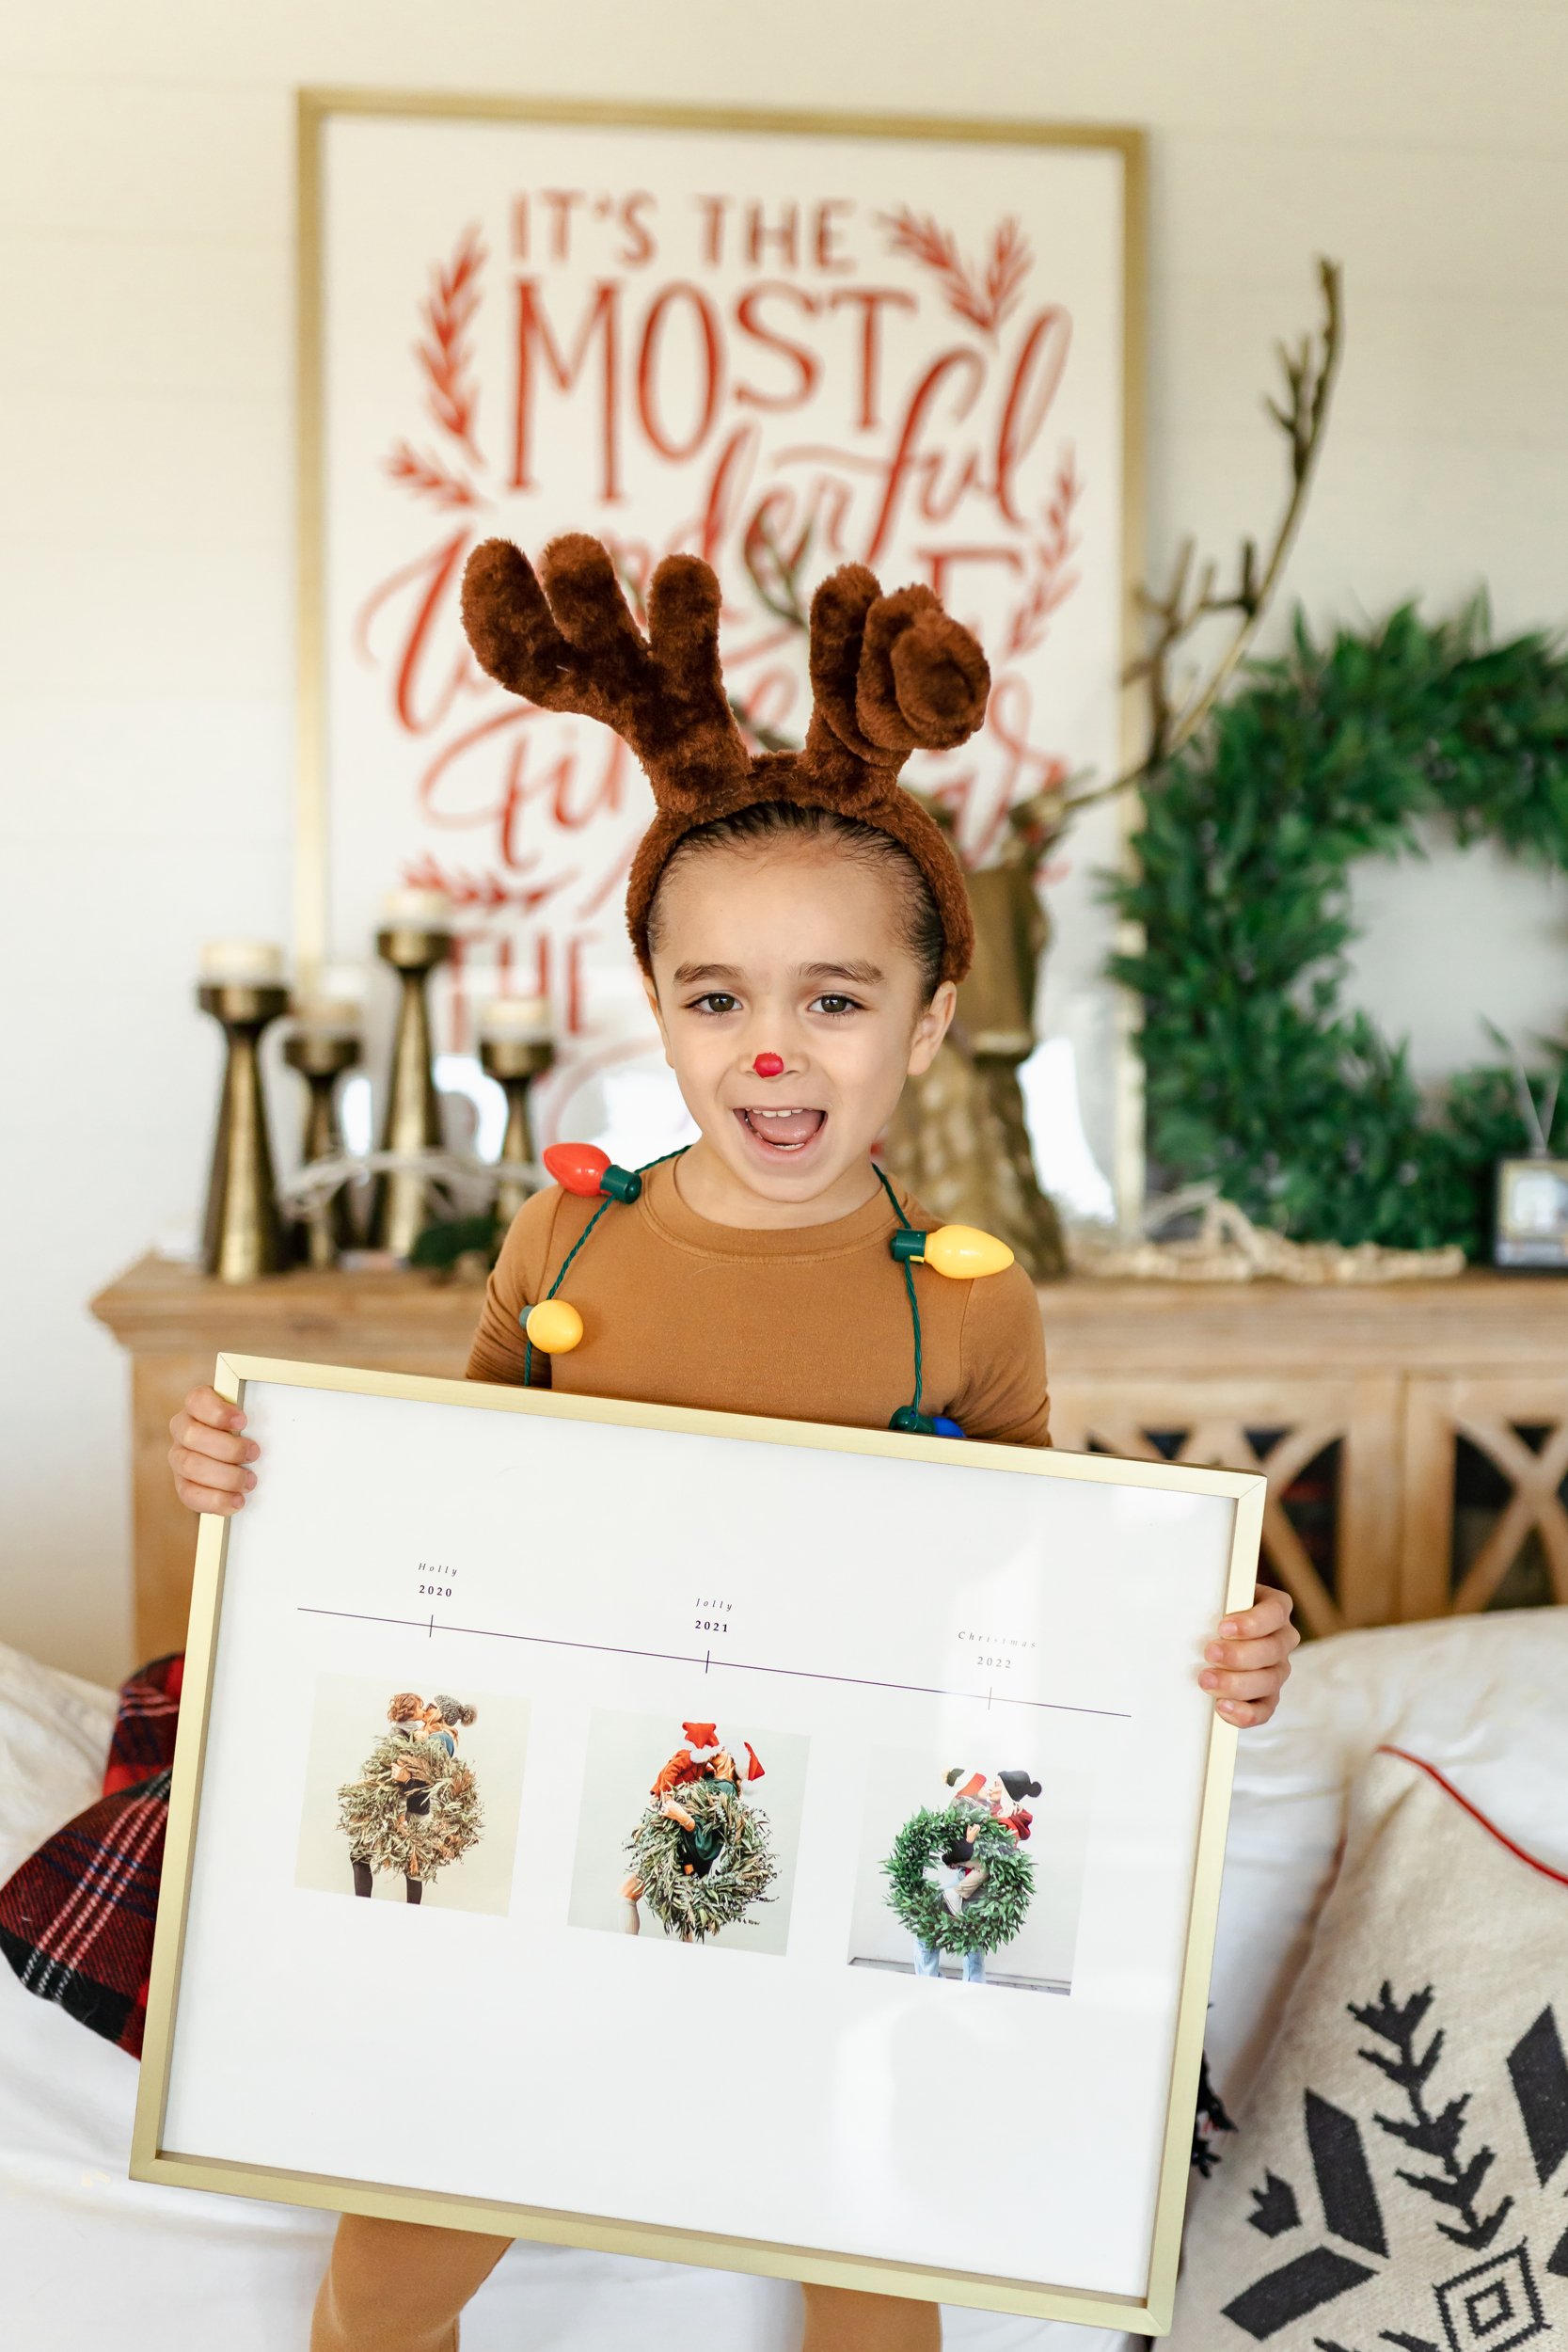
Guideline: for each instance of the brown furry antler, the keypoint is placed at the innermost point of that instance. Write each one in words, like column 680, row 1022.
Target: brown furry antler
column 889, row 676
column 571, row 645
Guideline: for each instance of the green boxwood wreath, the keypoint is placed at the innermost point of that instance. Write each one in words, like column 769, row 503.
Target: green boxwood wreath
column 991, row 1916
column 1305, row 1115
column 692, row 1907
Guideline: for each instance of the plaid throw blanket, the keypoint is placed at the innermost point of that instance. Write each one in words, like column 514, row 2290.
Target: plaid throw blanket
column 76, row 1920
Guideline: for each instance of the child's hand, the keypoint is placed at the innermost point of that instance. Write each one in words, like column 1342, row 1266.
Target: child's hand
column 1249, row 1662
column 210, row 1453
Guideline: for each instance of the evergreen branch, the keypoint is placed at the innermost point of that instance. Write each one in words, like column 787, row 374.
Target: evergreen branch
column 1458, row 2184
column 1477, row 2238
column 1439, row 2136
column 445, row 354
column 428, row 478
column 982, row 300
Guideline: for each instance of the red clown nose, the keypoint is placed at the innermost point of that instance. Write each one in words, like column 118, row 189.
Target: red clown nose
column 768, row 1065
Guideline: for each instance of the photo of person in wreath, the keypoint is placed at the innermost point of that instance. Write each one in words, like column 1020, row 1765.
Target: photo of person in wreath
column 415, row 1807
column 702, row 1854
column 958, row 1877
column 1004, row 1799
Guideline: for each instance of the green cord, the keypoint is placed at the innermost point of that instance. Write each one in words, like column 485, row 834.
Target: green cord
column 909, row 1279
column 528, row 1343
column 897, row 1211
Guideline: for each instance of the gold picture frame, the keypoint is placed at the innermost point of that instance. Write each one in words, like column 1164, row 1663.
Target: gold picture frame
column 153, row 2160
column 315, row 110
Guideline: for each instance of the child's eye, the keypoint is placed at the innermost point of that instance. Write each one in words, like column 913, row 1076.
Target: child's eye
column 835, row 1006
column 715, row 1002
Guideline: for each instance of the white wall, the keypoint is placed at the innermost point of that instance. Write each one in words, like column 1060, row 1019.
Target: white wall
column 145, row 487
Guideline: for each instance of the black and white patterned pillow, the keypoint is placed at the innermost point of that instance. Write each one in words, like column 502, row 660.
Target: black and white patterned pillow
column 1399, row 2175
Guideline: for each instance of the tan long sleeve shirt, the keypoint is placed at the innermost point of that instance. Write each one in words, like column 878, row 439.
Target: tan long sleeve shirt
column 807, row 1322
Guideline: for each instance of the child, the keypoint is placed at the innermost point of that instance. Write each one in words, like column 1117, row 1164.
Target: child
column 967, row 1797
column 801, row 926
column 443, row 1719
column 1006, row 1807
column 701, row 1842
column 405, row 1712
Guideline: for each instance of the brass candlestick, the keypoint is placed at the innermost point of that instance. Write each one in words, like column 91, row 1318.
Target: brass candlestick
column 400, row 1203
column 243, row 1233
column 515, row 1062
column 321, row 1056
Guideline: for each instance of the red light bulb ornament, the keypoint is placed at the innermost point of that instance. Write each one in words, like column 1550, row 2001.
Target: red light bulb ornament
column 554, row 1326
column 584, row 1169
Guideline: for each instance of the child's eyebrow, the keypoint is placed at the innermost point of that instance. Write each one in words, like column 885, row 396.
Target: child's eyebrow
column 862, row 974
column 730, row 975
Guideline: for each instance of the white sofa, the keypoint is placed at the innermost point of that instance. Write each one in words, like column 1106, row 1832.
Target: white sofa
column 89, row 2259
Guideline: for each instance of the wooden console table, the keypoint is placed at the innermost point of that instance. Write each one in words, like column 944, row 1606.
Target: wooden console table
column 1414, row 1438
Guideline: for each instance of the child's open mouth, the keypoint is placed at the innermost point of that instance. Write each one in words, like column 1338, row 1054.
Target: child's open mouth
column 780, row 1133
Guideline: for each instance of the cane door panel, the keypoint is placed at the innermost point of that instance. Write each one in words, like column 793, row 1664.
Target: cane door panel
column 1330, row 1451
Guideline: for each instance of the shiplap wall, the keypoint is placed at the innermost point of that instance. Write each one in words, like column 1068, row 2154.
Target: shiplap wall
column 146, row 583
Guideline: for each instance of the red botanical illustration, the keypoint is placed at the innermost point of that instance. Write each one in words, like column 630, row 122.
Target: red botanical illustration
column 1052, row 581
column 485, row 893
column 445, row 354
column 428, row 478
column 982, row 299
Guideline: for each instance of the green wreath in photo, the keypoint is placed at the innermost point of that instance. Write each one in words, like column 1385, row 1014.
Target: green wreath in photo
column 373, row 1811
column 686, row 1903
column 1256, row 1078
column 993, row 1914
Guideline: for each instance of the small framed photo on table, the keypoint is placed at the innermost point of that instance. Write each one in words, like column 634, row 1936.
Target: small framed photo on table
column 1531, row 1224
column 632, row 1779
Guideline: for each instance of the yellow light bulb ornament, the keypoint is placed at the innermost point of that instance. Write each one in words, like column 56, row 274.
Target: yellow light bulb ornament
column 554, row 1327
column 963, row 1252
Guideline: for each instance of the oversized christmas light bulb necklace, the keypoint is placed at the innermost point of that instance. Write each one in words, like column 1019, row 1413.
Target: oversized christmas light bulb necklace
column 962, row 1252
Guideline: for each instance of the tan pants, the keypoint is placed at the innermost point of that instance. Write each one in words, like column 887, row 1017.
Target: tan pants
column 394, row 2286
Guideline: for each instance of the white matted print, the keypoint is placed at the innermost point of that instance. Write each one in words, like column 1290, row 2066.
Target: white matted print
column 411, row 1794
column 782, row 345
column 691, row 1829
column 601, row 1561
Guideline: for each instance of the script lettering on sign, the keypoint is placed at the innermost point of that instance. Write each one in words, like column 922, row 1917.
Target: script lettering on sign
column 842, row 357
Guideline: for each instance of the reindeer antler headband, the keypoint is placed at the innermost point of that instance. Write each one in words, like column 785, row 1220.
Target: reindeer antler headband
column 889, row 674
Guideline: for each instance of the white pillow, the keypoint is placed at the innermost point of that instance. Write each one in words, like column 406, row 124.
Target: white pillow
column 54, row 1744
column 1397, row 2175
column 1483, row 1698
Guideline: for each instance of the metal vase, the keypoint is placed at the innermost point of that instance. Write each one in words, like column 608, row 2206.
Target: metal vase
column 242, row 1237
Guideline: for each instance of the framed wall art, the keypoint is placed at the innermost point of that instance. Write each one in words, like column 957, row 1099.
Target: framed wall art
column 564, row 1746
column 783, row 341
